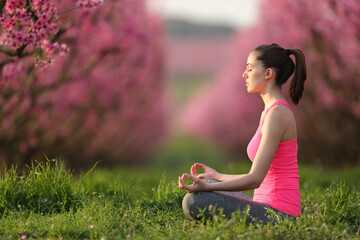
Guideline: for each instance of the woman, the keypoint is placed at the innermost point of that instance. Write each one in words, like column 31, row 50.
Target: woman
column 273, row 149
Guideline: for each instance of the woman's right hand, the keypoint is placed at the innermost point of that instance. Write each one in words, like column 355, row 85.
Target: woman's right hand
column 208, row 172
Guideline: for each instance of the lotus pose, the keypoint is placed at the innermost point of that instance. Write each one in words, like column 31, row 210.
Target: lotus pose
column 273, row 149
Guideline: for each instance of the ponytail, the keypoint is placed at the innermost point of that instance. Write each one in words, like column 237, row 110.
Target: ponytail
column 297, row 83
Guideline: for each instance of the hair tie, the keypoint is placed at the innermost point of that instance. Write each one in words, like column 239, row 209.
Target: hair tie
column 288, row 52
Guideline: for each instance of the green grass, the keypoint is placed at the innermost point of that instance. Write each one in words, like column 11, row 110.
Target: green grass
column 49, row 202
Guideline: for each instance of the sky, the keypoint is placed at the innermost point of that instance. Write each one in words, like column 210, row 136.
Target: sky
column 236, row 13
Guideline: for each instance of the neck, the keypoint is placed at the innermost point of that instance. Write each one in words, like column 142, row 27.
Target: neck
column 271, row 96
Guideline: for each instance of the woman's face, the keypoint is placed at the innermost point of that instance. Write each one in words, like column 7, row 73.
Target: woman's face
column 254, row 74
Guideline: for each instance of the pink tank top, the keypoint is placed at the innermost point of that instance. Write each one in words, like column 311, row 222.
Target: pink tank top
column 280, row 187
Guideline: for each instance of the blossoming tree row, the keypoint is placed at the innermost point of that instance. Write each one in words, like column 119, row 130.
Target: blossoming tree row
column 81, row 80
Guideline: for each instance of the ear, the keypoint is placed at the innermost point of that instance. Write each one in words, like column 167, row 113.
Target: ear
column 269, row 73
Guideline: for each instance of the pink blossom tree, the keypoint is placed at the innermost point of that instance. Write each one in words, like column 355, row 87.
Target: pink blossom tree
column 104, row 100
column 33, row 28
column 328, row 32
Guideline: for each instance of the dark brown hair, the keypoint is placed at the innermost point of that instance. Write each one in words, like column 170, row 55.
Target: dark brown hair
column 274, row 56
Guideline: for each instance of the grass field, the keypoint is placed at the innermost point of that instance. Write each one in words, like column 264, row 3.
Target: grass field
column 51, row 202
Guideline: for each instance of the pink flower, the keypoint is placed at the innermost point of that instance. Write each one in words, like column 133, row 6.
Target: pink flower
column 20, row 37
column 36, row 45
column 91, row 227
column 44, row 17
column 64, row 50
column 30, row 38
column 53, row 28
column 42, row 35
column 14, row 45
column 128, row 236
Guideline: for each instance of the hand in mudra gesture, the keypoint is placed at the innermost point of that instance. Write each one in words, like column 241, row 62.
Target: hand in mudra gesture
column 208, row 171
column 195, row 177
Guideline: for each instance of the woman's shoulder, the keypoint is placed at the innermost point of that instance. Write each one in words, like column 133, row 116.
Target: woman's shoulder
column 281, row 110
column 281, row 114
column 281, row 119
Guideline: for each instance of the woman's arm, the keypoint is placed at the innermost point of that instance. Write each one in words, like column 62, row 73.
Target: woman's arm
column 272, row 131
column 211, row 173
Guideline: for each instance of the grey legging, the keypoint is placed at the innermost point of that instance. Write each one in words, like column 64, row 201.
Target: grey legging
column 202, row 202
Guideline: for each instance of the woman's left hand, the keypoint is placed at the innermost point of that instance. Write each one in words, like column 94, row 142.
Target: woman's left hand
column 197, row 185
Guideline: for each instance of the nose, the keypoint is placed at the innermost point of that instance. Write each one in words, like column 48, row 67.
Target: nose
column 245, row 75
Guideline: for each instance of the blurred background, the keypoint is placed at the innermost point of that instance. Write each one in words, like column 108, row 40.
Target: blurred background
column 159, row 83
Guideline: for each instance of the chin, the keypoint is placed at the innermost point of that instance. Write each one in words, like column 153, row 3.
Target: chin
column 250, row 90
